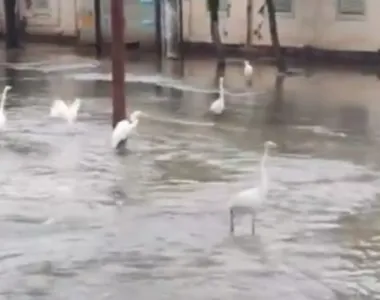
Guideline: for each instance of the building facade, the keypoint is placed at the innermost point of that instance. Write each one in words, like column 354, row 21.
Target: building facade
column 49, row 17
column 343, row 25
column 139, row 14
column 76, row 19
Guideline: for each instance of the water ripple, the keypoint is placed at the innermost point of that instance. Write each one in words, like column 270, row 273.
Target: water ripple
column 79, row 221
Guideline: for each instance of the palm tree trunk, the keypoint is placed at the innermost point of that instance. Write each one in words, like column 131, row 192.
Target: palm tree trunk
column 280, row 61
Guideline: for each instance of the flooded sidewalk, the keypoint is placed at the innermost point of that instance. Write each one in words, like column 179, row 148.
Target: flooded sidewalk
column 80, row 221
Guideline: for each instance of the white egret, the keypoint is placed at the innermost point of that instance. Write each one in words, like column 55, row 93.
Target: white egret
column 217, row 107
column 248, row 70
column 250, row 200
column 3, row 118
column 69, row 112
column 124, row 129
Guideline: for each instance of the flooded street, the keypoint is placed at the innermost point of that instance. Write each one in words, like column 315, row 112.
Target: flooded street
column 79, row 221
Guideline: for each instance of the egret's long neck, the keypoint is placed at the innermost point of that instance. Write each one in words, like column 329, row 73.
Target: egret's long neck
column 263, row 172
column 3, row 97
column 134, row 122
column 74, row 106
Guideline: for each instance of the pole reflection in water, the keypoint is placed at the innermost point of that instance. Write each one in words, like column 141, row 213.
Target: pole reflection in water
column 355, row 119
column 10, row 73
column 98, row 89
column 275, row 110
column 158, row 88
column 175, row 69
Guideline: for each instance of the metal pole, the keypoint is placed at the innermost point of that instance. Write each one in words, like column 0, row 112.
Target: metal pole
column 117, row 27
column 98, row 28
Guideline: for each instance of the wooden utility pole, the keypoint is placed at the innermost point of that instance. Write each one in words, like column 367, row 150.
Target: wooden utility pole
column 11, row 24
column 281, row 66
column 98, row 29
column 118, row 94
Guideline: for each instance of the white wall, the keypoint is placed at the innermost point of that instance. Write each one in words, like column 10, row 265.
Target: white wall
column 312, row 22
column 58, row 18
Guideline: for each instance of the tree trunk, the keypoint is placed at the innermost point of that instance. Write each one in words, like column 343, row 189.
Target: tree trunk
column 249, row 24
column 118, row 72
column 157, row 20
column 11, row 24
column 213, row 8
column 281, row 66
column 98, row 28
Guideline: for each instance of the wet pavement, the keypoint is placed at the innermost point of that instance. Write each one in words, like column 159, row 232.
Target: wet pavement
column 79, row 221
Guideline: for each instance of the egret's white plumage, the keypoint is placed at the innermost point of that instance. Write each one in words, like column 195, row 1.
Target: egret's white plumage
column 3, row 118
column 124, row 129
column 250, row 200
column 217, row 107
column 69, row 112
column 248, row 69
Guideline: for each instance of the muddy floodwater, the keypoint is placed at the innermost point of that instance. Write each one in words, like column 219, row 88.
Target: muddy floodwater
column 79, row 221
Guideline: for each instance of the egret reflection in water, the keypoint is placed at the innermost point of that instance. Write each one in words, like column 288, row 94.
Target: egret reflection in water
column 3, row 117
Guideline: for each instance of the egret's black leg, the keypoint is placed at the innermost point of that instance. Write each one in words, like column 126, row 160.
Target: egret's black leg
column 231, row 221
column 253, row 224
column 121, row 147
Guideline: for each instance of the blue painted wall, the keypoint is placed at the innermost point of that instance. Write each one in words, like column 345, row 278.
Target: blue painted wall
column 139, row 16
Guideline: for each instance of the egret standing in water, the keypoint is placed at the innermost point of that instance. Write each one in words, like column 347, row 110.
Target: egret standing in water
column 217, row 107
column 69, row 112
column 3, row 118
column 124, row 129
column 250, row 200
column 248, row 70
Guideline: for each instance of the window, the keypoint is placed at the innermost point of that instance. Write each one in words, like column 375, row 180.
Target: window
column 283, row 6
column 351, row 7
column 41, row 4
column 223, row 5
column 41, row 8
